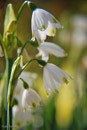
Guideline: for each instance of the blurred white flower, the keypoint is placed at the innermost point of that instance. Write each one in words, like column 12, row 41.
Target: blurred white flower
column 53, row 76
column 28, row 77
column 79, row 34
column 79, row 38
column 21, row 118
column 76, row 32
column 30, row 99
column 46, row 48
column 43, row 23
column 1, row 52
column 79, row 22
column 37, row 121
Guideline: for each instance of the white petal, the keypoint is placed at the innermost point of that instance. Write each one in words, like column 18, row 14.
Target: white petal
column 30, row 98
column 58, row 25
column 48, row 16
column 49, row 82
column 24, row 103
column 44, row 54
column 52, row 48
column 34, row 96
column 46, row 80
column 42, row 35
column 58, row 73
column 33, row 27
column 36, row 27
column 51, row 29
column 20, row 118
column 55, row 84
column 40, row 19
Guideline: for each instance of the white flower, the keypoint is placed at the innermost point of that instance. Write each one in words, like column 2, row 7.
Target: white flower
column 43, row 23
column 20, row 118
column 30, row 99
column 1, row 52
column 53, row 76
column 46, row 48
column 29, row 78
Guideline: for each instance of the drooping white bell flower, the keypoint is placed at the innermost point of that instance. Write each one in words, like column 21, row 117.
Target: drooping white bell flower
column 30, row 99
column 1, row 52
column 53, row 76
column 21, row 118
column 46, row 48
column 43, row 23
column 29, row 78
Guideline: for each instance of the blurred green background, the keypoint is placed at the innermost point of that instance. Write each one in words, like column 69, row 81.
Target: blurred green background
column 68, row 109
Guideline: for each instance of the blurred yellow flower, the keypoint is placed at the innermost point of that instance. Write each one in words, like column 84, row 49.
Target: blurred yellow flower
column 65, row 103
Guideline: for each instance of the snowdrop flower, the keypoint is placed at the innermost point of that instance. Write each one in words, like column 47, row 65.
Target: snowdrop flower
column 53, row 76
column 30, row 99
column 43, row 23
column 20, row 118
column 1, row 52
column 29, row 78
column 46, row 48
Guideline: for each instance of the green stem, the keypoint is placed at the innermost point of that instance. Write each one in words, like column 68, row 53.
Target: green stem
column 10, row 91
column 9, row 108
column 23, row 47
column 33, row 43
column 41, row 62
column 20, row 10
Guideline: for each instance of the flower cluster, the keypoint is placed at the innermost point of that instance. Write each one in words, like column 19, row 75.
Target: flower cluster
column 44, row 24
column 27, row 99
column 20, row 83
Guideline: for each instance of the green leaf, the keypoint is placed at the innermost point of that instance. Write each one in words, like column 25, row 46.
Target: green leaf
column 16, row 70
column 3, row 92
column 10, row 20
column 25, row 85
